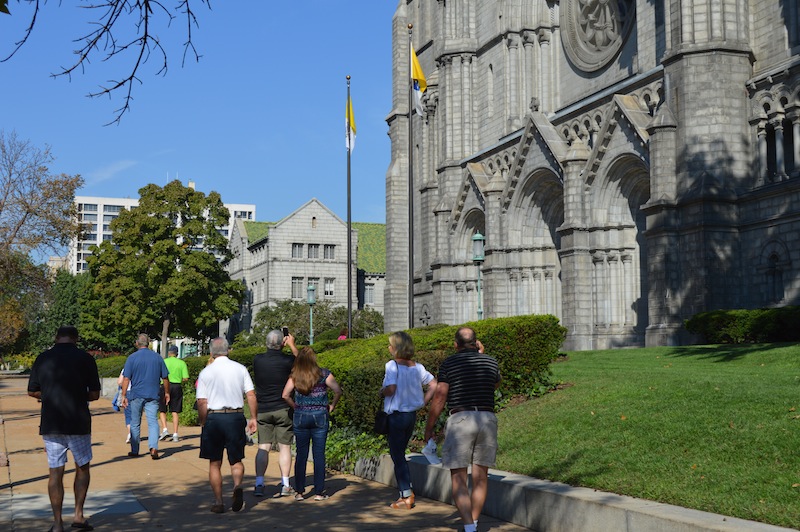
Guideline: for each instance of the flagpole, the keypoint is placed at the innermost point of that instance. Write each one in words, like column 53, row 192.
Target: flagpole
column 349, row 225
column 410, row 186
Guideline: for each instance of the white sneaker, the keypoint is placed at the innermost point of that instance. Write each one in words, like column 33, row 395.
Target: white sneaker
column 164, row 435
column 128, row 439
column 175, row 437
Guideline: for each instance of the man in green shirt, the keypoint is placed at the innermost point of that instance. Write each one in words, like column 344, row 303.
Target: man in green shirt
column 178, row 373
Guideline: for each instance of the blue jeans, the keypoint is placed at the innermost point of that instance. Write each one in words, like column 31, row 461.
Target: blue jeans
column 313, row 428
column 150, row 407
column 401, row 426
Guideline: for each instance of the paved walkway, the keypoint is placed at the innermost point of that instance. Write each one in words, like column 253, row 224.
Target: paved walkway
column 173, row 493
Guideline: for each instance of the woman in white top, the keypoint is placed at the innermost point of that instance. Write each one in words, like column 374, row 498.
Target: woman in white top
column 403, row 395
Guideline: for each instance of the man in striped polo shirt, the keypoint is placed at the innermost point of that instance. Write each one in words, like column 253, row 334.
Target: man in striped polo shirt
column 467, row 381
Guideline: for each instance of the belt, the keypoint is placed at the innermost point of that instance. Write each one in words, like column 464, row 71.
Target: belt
column 226, row 411
column 472, row 409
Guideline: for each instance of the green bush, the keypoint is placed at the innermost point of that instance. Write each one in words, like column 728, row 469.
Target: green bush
column 345, row 446
column 110, row 367
column 22, row 361
column 523, row 345
column 746, row 326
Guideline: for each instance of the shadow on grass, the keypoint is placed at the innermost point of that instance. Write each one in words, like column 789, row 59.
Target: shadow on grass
column 564, row 471
column 725, row 352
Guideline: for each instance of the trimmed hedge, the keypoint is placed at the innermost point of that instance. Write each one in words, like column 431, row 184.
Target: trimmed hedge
column 523, row 345
column 742, row 326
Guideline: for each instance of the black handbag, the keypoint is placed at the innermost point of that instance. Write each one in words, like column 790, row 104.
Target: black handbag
column 381, row 425
column 381, row 422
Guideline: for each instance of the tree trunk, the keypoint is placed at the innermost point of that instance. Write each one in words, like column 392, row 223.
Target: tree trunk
column 164, row 337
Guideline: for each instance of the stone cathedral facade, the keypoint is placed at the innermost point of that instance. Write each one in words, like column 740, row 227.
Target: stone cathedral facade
column 630, row 163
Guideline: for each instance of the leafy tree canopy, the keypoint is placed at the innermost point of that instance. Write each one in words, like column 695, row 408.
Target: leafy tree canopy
column 62, row 308
column 165, row 269
column 37, row 214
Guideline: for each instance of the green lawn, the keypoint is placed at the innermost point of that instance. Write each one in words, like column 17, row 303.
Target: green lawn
column 715, row 428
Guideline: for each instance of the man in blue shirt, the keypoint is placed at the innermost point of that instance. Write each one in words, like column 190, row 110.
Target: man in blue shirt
column 146, row 371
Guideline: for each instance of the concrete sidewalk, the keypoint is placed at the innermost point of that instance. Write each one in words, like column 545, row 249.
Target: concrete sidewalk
column 173, row 493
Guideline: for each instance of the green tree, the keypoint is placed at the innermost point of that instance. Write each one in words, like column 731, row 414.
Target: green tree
column 37, row 214
column 328, row 318
column 165, row 270
column 62, row 307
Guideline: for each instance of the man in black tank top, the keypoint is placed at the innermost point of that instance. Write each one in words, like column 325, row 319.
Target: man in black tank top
column 467, row 381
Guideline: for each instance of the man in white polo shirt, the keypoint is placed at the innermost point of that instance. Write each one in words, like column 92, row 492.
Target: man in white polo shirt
column 221, row 387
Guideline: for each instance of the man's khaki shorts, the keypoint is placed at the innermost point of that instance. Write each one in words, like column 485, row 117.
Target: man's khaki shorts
column 275, row 427
column 470, row 438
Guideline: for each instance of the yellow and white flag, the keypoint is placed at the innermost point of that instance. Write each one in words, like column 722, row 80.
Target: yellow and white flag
column 350, row 125
column 418, row 82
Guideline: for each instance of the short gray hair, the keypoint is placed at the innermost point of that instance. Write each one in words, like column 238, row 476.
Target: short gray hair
column 274, row 339
column 142, row 340
column 218, row 347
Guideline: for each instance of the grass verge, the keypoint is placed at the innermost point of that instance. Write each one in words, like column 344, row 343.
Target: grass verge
column 713, row 428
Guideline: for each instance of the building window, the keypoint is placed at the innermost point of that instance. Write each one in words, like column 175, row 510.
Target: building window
column 313, row 251
column 106, row 238
column 88, row 207
column 329, row 284
column 245, row 215
column 112, row 208
column 313, row 222
column 89, row 217
column 329, row 251
column 109, row 217
column 297, row 251
column 369, row 294
column 298, row 290
column 106, row 228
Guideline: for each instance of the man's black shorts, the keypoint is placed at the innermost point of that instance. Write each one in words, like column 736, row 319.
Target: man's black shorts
column 175, row 398
column 224, row 431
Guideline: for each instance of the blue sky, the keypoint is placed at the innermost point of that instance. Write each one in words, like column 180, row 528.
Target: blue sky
column 259, row 119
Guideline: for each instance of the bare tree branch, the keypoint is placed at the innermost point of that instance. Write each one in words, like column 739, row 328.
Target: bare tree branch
column 123, row 15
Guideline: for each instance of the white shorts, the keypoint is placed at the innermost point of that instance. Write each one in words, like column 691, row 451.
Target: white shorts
column 56, row 446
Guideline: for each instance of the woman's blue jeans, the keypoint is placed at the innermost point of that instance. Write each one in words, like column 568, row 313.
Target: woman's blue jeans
column 150, row 407
column 310, row 428
column 401, row 426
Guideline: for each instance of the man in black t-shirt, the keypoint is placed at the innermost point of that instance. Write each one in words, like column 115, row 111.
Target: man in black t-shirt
column 65, row 378
column 467, row 381
column 271, row 371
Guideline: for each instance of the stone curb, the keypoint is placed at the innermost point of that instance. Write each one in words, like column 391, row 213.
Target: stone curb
column 555, row 507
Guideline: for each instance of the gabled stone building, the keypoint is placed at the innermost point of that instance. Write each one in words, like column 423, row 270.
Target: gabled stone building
column 278, row 260
column 631, row 163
